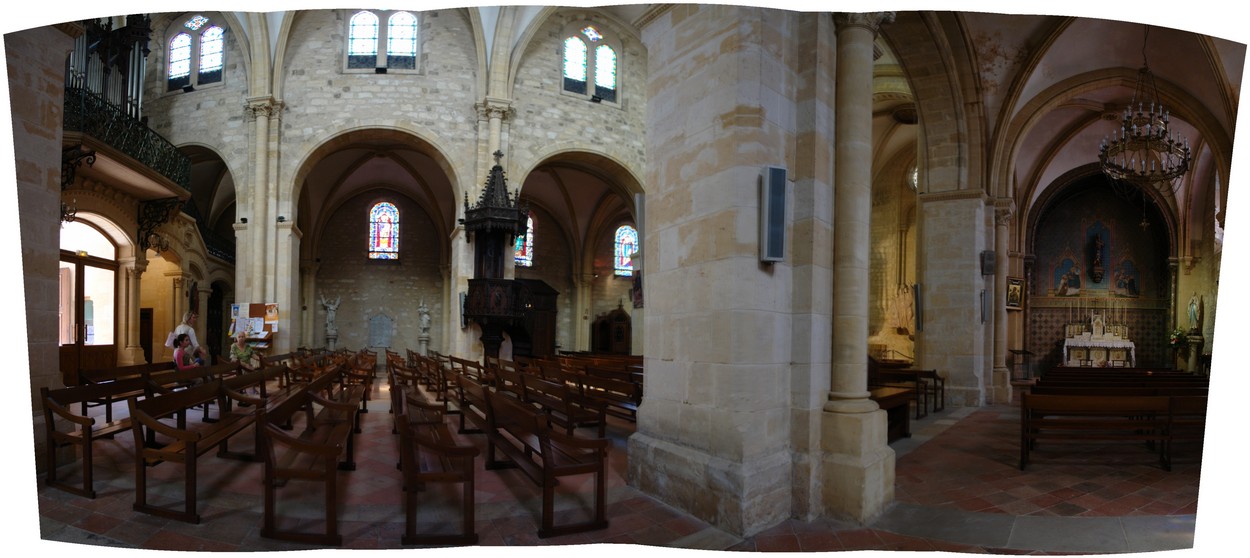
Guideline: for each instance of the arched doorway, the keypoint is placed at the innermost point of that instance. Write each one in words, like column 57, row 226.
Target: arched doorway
column 87, row 304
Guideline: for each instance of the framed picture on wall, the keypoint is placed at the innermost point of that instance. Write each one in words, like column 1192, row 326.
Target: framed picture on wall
column 1015, row 293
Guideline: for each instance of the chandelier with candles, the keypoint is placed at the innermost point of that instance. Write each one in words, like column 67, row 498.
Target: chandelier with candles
column 1144, row 151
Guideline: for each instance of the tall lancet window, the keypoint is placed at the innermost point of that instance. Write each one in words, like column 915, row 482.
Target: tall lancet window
column 605, row 73
column 525, row 244
column 626, row 244
column 384, row 232
column 362, row 40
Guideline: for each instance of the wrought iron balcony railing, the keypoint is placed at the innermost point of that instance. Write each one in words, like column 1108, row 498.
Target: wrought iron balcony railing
column 90, row 114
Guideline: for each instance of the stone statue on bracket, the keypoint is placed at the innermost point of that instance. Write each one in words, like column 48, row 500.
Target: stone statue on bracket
column 423, row 312
column 331, row 310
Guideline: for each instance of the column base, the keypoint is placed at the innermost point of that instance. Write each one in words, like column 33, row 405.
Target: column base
column 1001, row 388
column 736, row 497
column 857, row 466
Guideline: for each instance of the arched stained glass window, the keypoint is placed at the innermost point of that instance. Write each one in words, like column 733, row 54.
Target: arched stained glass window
column 626, row 245
column 180, row 56
column 212, row 43
column 362, row 40
column 197, row 53
column 525, row 244
column 401, row 41
column 574, row 65
column 384, row 231
column 605, row 73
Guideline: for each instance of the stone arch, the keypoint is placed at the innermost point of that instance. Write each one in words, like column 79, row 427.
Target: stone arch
column 419, row 138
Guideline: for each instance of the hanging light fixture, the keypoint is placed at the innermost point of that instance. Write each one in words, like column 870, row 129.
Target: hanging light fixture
column 1144, row 151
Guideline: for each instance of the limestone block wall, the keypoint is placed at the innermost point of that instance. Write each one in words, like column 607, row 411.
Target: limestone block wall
column 35, row 85
column 366, row 288
column 607, row 289
column 212, row 115
column 436, row 103
column 713, row 435
column 548, row 121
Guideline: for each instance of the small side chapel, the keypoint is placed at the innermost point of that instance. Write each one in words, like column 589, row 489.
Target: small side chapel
column 945, row 205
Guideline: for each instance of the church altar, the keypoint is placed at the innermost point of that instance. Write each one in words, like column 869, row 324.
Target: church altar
column 1099, row 347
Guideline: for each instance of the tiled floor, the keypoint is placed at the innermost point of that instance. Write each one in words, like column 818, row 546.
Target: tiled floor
column 958, row 489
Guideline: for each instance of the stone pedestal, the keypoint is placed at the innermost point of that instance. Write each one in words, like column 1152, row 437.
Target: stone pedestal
column 423, row 344
column 331, row 339
column 1195, row 349
column 858, row 468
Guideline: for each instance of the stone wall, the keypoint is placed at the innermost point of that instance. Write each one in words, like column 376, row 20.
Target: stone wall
column 713, row 436
column 366, row 288
column 35, row 96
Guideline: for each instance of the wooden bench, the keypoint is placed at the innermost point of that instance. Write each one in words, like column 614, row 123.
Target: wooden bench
column 430, row 454
column 471, row 400
column 314, row 454
column 184, row 443
column 545, row 454
column 103, row 376
column 1187, row 422
column 1096, row 418
column 84, row 430
column 620, row 399
column 565, row 406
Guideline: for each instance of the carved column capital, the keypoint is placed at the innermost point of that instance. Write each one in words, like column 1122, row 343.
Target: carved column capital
column 492, row 108
column 1004, row 211
column 872, row 21
column 257, row 107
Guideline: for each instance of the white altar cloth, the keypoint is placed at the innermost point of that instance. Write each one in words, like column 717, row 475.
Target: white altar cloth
column 1105, row 350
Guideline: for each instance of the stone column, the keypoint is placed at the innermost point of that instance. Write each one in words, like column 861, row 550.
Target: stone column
column 286, row 293
column 205, row 289
column 258, row 110
column 581, row 312
column 132, row 349
column 308, row 293
column 858, row 465
column 1004, row 210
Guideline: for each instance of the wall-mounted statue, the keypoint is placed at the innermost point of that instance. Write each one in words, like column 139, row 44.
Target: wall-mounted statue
column 331, row 310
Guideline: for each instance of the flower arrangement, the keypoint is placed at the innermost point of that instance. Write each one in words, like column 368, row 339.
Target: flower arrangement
column 1177, row 340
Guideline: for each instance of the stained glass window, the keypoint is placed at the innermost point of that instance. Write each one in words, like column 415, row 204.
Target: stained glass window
column 574, row 65
column 180, row 56
column 525, row 244
column 626, row 245
column 195, row 23
column 591, row 33
column 384, row 231
column 212, row 43
column 197, row 56
column 605, row 72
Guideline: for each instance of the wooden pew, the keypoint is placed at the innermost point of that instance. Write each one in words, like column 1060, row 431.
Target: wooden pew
column 564, row 406
column 1094, row 418
column 620, row 399
column 430, row 454
column 184, row 443
column 471, row 401
column 545, row 454
column 108, row 375
column 330, row 422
